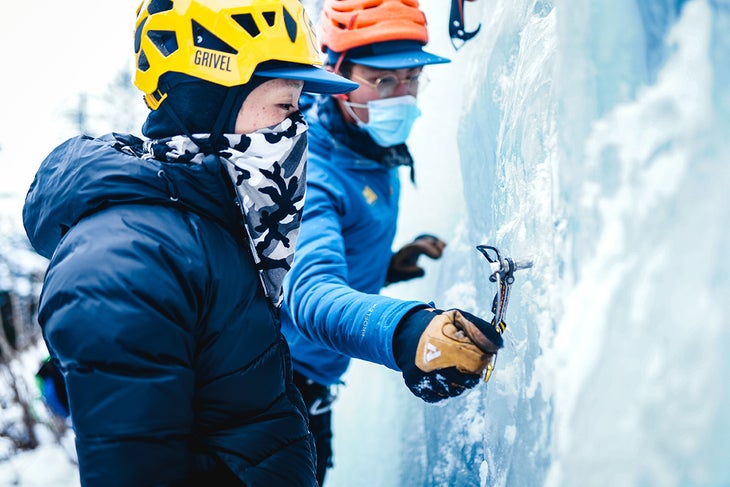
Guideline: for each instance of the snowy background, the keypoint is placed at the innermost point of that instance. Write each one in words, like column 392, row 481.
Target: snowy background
column 591, row 136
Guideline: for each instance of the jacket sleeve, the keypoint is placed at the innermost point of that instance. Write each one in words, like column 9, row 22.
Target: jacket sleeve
column 118, row 313
column 319, row 298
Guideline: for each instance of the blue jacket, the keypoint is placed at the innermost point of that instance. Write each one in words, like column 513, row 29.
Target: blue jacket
column 332, row 310
column 173, row 358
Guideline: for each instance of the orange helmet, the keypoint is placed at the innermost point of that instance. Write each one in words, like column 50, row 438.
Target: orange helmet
column 367, row 28
column 345, row 24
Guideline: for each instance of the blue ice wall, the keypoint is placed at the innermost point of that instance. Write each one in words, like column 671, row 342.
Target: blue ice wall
column 594, row 139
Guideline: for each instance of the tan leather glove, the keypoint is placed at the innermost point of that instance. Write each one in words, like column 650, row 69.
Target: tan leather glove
column 452, row 340
column 443, row 353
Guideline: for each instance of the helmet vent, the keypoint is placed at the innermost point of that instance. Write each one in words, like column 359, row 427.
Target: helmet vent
column 157, row 6
column 142, row 63
column 202, row 37
column 291, row 25
column 270, row 18
column 164, row 40
column 138, row 35
column 248, row 23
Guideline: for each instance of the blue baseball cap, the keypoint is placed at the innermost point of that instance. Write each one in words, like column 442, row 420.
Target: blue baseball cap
column 316, row 80
column 388, row 55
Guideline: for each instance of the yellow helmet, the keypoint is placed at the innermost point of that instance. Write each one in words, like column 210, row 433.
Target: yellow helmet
column 223, row 41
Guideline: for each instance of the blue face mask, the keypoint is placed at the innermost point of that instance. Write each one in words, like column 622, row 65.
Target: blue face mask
column 389, row 119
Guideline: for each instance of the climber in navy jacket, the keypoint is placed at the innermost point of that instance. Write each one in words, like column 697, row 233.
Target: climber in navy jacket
column 160, row 304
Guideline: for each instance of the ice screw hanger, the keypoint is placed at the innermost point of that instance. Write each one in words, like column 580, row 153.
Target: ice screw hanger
column 502, row 273
column 457, row 29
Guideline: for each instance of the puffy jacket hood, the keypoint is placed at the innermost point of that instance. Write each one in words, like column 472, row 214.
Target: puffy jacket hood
column 84, row 175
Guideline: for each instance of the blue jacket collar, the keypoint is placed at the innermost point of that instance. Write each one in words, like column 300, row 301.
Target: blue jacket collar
column 322, row 112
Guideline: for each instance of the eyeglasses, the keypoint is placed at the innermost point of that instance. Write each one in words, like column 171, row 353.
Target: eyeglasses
column 386, row 85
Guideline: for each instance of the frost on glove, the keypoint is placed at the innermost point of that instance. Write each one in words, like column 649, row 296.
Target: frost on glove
column 443, row 353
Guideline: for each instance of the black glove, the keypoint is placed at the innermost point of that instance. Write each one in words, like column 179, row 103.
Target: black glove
column 403, row 265
column 443, row 353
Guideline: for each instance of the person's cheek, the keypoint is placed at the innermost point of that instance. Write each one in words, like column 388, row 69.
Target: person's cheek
column 279, row 115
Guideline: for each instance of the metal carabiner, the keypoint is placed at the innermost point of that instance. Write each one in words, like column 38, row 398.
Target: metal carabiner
column 502, row 273
column 457, row 29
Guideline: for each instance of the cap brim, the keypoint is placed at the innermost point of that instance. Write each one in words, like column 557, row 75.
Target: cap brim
column 316, row 80
column 399, row 59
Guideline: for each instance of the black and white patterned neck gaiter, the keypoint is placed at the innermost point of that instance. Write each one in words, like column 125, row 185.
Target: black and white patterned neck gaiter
column 268, row 169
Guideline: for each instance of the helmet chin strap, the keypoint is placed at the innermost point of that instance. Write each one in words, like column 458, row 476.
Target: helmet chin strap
column 226, row 114
column 350, row 26
column 336, row 70
column 181, row 125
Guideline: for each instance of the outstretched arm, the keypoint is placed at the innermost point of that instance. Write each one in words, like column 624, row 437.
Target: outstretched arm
column 323, row 304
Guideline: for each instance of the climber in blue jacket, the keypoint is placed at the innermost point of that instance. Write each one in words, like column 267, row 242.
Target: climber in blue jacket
column 161, row 300
column 332, row 310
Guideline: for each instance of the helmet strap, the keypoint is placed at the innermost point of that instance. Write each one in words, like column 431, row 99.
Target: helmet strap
column 225, row 113
column 340, row 59
column 350, row 26
column 171, row 113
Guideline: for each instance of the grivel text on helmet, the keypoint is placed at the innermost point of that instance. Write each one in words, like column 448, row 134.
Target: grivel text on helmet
column 212, row 60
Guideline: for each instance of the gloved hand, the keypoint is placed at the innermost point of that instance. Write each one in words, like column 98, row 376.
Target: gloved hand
column 443, row 353
column 53, row 388
column 403, row 265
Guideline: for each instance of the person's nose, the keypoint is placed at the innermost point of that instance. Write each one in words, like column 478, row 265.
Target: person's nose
column 401, row 89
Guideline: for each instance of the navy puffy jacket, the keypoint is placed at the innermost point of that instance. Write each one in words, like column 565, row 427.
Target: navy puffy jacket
column 173, row 358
